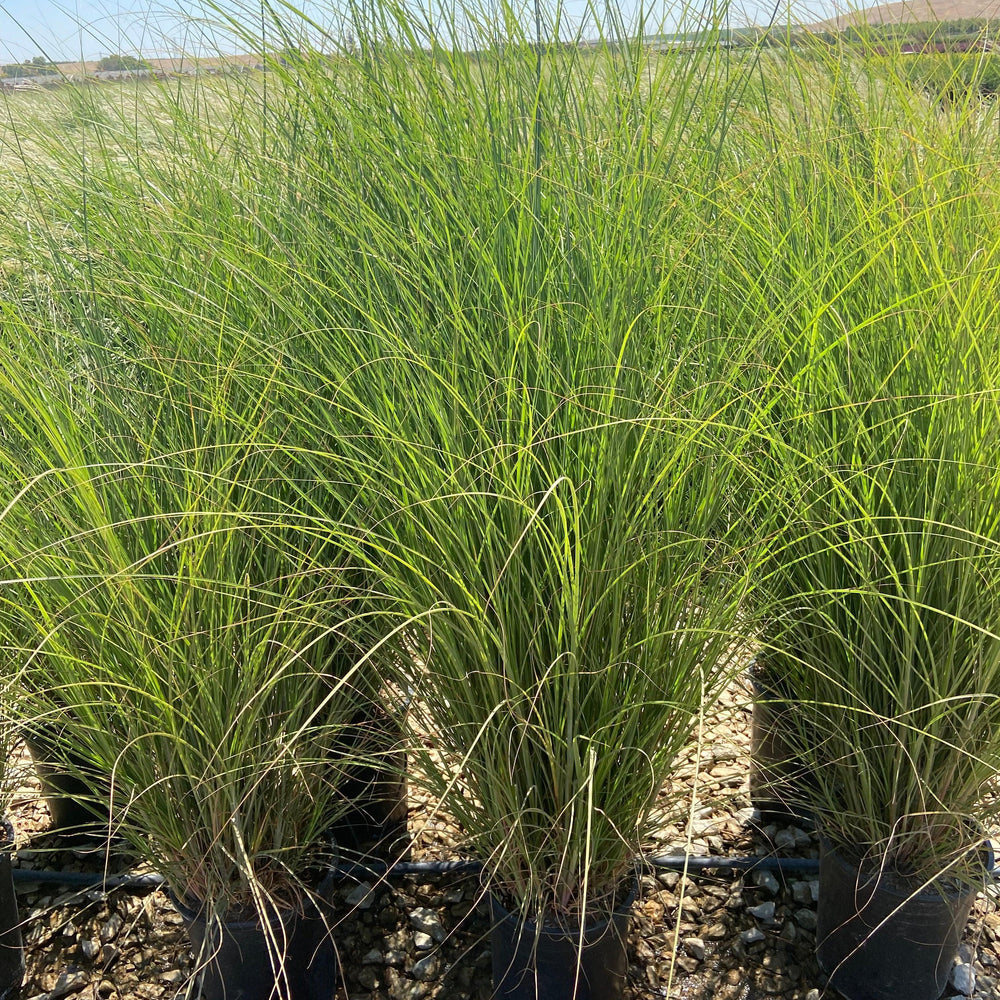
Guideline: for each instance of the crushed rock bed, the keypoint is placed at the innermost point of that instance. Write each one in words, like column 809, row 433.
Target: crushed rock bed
column 710, row 937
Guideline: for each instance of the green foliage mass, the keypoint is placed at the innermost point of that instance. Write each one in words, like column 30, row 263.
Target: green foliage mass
column 121, row 62
column 531, row 382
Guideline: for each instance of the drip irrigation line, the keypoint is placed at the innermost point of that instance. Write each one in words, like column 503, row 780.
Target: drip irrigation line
column 86, row 880
column 692, row 864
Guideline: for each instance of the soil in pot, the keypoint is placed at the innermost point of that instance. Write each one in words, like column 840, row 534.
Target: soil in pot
column 292, row 957
column 11, row 950
column 878, row 937
column 549, row 963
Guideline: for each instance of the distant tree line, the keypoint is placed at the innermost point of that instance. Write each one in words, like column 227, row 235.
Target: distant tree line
column 959, row 35
column 39, row 66
column 120, row 63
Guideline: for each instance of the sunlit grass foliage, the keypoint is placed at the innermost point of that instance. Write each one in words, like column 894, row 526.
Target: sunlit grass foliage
column 589, row 359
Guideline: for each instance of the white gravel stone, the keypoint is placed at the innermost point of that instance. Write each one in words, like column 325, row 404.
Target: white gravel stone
column 764, row 912
column 90, row 948
column 361, row 896
column 426, row 969
column 110, row 930
column 695, row 947
column 423, row 918
column 801, row 892
column 704, row 827
column 766, row 881
column 963, row 979
column 67, row 983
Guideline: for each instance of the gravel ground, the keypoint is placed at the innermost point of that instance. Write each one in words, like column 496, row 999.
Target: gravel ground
column 703, row 938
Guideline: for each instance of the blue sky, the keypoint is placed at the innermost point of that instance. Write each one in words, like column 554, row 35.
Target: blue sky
column 69, row 29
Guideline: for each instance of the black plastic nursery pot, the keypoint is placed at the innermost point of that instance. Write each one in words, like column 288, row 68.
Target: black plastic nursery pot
column 556, row 963
column 11, row 948
column 778, row 781
column 74, row 805
column 878, row 938
column 292, row 957
column 375, row 824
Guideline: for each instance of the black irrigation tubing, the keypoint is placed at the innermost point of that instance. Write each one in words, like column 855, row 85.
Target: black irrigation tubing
column 690, row 863
column 86, row 880
column 670, row 862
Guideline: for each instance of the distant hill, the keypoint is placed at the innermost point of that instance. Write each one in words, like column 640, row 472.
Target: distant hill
column 914, row 12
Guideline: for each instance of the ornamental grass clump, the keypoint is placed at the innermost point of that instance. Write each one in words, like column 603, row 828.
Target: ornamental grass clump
column 180, row 626
column 887, row 643
column 209, row 676
column 870, row 273
column 887, row 659
column 864, row 259
column 531, row 387
column 574, row 633
column 524, row 374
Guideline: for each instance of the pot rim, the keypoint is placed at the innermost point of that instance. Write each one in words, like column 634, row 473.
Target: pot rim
column 921, row 888
column 192, row 909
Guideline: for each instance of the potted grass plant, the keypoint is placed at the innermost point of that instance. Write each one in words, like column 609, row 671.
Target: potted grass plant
column 547, row 441
column 881, row 649
column 203, row 676
column 897, row 667
column 884, row 637
column 196, row 644
column 577, row 633
column 580, row 587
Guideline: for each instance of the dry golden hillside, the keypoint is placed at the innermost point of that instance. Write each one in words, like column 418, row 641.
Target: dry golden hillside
column 915, row 11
